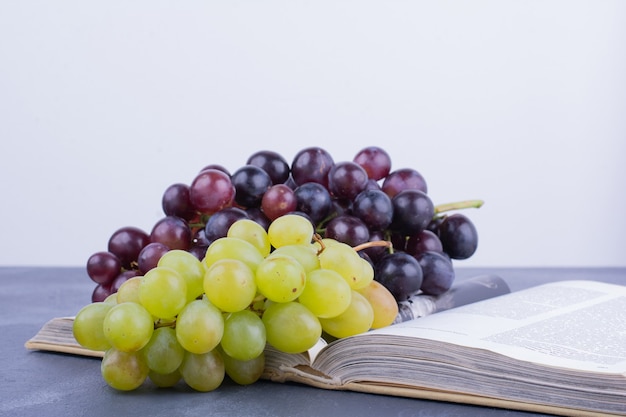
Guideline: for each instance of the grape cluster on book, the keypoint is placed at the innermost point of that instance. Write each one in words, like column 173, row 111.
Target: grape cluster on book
column 274, row 253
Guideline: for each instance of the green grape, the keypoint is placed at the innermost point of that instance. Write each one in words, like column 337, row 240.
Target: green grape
column 88, row 326
column 252, row 232
column 229, row 285
column 244, row 372
column 124, row 371
column 291, row 327
column 128, row 326
column 244, row 335
column 326, row 293
column 111, row 298
column 232, row 248
column 129, row 291
column 164, row 380
column 305, row 254
column 357, row 318
column 290, row 229
column 366, row 277
column 199, row 327
column 203, row 372
column 163, row 353
column 189, row 267
column 341, row 258
column 163, row 292
column 280, row 278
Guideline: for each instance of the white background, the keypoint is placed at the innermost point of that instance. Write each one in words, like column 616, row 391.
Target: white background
column 520, row 103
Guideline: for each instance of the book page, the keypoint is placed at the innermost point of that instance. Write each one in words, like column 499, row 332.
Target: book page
column 573, row 324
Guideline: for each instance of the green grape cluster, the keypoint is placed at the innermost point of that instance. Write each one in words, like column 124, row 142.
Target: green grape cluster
column 200, row 320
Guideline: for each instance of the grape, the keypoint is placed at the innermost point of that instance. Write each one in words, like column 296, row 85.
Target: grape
column 100, row 293
column 251, row 232
column 311, row 165
column 437, row 271
column 423, row 241
column 211, row 190
column 176, row 202
column 229, row 284
column 204, row 371
column 306, row 255
column 164, row 380
column 103, row 267
column 458, row 236
column 128, row 326
column 403, row 179
column 256, row 214
column 126, row 243
column 122, row 278
column 346, row 180
column 88, row 327
column 280, row 278
column 149, row 256
column 233, row 248
column 129, row 291
column 199, row 327
column 384, row 305
column 412, row 211
column 218, row 224
column 172, row 232
column 163, row 292
column 326, row 293
column 217, row 167
column 244, row 336
column 374, row 208
column 343, row 259
column 124, row 371
column 244, row 372
column 314, row 200
column 347, row 229
column 290, row 229
column 189, row 267
column 163, row 354
column 278, row 200
column 375, row 161
column 291, row 327
column 250, row 182
column 400, row 273
column 273, row 163
column 357, row 318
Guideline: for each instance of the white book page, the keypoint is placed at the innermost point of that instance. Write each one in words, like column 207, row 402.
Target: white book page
column 572, row 324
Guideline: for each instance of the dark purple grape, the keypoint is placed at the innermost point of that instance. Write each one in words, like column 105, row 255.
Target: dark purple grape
column 375, row 208
column 423, row 241
column 103, row 267
column 257, row 215
column 100, row 293
column 433, row 226
column 150, row 255
column 122, row 278
column 346, row 180
column 400, row 273
column 398, row 241
column 176, row 202
column 278, row 201
column 347, row 229
column 404, row 179
column 218, row 167
column 438, row 272
column 458, row 236
column 126, row 243
column 211, row 191
column 375, row 253
column 199, row 251
column 173, row 232
column 375, row 161
column 273, row 163
column 412, row 211
column 311, row 165
column 314, row 200
column 250, row 182
column 339, row 207
column 218, row 224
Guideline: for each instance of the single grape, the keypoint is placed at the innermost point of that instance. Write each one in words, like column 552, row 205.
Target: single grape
column 149, row 256
column 218, row 224
column 244, row 335
column 375, row 161
column 278, row 200
column 326, row 293
column 128, row 326
column 100, row 293
column 176, row 202
column 250, row 182
column 438, row 272
column 357, row 318
column 211, row 191
column 88, row 327
column 346, row 180
column 291, row 327
column 273, row 163
column 290, row 229
column 103, row 267
column 374, row 208
column 314, row 200
column 403, row 179
column 244, row 372
column 204, row 371
column 251, row 232
column 163, row 354
column 189, row 267
column 164, row 380
column 341, row 258
column 172, row 232
column 458, row 236
column 126, row 243
column 163, row 292
column 218, row 167
column 280, row 278
column 306, row 255
column 256, row 214
column 233, row 248
column 384, row 305
column 199, row 327
column 412, row 211
column 400, row 273
column 311, row 165
column 124, row 371
column 122, row 278
column 229, row 284
column 129, row 291
column 347, row 229
column 423, row 241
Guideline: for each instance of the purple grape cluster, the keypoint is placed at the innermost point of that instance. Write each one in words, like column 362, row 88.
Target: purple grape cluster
column 386, row 215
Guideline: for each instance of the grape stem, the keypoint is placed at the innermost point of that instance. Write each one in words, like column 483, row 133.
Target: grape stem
column 372, row 244
column 440, row 208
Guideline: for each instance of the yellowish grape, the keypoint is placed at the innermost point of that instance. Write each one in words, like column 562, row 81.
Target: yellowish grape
column 233, row 248
column 357, row 318
column 128, row 326
column 163, row 292
column 203, row 372
column 383, row 304
column 280, row 278
column 189, row 267
column 326, row 293
column 230, row 285
column 88, row 326
column 199, row 327
column 124, row 371
column 252, row 232
column 291, row 327
column 290, row 229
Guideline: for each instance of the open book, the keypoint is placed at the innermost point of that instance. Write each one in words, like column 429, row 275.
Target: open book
column 558, row 348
